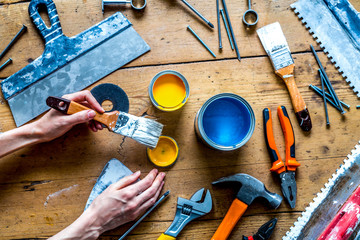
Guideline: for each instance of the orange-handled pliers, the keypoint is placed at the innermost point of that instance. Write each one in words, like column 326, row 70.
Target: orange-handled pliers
column 286, row 171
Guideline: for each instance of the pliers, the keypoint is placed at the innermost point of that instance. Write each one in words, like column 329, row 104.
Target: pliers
column 187, row 210
column 264, row 232
column 287, row 171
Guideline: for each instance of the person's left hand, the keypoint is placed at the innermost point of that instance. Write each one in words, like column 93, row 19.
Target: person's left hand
column 54, row 124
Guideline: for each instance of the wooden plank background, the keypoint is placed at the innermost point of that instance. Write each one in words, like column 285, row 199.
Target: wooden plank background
column 44, row 188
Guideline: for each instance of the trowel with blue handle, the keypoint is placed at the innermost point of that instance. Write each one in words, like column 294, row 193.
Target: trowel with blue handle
column 69, row 64
column 113, row 171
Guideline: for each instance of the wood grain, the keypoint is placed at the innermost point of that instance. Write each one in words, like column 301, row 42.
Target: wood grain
column 45, row 187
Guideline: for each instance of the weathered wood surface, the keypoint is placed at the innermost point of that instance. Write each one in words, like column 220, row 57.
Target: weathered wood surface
column 44, row 188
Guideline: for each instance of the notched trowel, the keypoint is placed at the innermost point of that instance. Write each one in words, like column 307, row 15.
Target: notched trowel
column 335, row 24
column 69, row 64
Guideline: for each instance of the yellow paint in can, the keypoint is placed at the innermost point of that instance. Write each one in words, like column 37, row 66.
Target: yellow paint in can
column 165, row 153
column 169, row 90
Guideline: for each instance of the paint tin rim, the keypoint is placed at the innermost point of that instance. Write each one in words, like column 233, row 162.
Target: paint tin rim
column 204, row 137
column 172, row 161
column 151, row 86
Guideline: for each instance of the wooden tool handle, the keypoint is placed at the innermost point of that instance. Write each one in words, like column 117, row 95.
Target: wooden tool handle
column 301, row 112
column 233, row 215
column 165, row 237
column 70, row 107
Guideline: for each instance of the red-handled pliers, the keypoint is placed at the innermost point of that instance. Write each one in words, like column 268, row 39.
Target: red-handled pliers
column 287, row 171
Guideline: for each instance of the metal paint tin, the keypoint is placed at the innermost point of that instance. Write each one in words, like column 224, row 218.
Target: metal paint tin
column 225, row 122
column 169, row 90
column 165, row 153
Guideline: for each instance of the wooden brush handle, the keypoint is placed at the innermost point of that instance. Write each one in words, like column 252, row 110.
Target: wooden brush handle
column 301, row 111
column 70, row 107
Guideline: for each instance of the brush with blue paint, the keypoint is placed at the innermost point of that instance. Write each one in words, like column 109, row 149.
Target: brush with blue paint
column 142, row 130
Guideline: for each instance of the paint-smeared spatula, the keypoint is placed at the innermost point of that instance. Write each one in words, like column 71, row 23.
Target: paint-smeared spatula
column 275, row 45
column 142, row 130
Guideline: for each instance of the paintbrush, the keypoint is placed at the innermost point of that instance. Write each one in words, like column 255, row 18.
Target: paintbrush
column 142, row 130
column 276, row 47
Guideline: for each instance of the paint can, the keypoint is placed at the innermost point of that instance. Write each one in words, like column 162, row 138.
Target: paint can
column 169, row 90
column 165, row 153
column 225, row 122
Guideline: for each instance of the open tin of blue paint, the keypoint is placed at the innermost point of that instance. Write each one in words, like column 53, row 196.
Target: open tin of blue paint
column 225, row 122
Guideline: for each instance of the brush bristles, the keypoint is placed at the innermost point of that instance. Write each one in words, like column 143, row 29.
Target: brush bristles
column 143, row 130
column 148, row 132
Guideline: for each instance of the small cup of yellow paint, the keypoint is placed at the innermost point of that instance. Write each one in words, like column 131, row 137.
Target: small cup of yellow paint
column 169, row 90
column 165, row 153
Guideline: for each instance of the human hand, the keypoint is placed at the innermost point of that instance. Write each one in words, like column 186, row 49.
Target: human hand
column 125, row 200
column 54, row 124
column 120, row 203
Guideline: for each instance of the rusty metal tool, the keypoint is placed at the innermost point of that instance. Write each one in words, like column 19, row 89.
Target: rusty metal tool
column 250, row 17
column 187, row 210
column 143, row 130
column 135, row 4
column 69, row 64
column 264, row 232
column 218, row 23
column 251, row 188
column 275, row 45
column 17, row 36
column 286, row 171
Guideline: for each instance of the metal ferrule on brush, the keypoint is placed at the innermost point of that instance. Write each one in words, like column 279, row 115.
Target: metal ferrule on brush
column 281, row 57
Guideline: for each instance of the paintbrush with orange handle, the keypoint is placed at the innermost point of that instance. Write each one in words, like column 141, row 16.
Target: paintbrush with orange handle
column 275, row 45
column 142, row 130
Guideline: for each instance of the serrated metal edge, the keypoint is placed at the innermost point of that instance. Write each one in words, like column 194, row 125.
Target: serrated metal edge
column 306, row 215
column 316, row 38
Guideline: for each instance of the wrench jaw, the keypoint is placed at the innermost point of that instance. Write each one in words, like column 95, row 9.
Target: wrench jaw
column 188, row 210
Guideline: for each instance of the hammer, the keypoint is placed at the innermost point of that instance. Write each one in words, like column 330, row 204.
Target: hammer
column 251, row 188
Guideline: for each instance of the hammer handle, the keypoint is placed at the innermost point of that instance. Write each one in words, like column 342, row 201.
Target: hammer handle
column 233, row 215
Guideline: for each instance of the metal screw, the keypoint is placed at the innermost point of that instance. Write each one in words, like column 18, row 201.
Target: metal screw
column 192, row 31
column 5, row 64
column 227, row 29
column 17, row 36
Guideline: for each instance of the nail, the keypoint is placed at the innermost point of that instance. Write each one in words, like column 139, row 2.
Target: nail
column 227, row 29
column 5, row 64
column 202, row 42
column 17, row 36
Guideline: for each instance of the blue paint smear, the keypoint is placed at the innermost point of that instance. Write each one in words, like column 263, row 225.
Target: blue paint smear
column 226, row 121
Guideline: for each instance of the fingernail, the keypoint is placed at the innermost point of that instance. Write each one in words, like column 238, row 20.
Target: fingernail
column 91, row 114
column 162, row 174
column 137, row 173
column 103, row 109
column 156, row 171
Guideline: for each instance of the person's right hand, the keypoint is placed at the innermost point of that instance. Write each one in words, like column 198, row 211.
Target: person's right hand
column 126, row 200
column 120, row 203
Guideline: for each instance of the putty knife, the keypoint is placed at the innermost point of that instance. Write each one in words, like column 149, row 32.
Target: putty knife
column 69, row 64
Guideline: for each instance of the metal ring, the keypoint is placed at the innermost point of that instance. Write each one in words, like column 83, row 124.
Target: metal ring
column 248, row 13
column 138, row 8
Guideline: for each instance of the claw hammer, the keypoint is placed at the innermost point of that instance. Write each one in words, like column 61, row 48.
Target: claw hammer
column 251, row 188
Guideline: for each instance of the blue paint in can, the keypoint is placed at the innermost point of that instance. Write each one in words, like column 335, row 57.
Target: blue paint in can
column 225, row 122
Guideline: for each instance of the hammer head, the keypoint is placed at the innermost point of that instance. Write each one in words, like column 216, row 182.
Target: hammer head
column 251, row 188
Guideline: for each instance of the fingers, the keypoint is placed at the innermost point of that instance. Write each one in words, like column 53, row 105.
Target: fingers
column 153, row 189
column 85, row 96
column 80, row 117
column 126, row 181
column 144, row 184
column 150, row 202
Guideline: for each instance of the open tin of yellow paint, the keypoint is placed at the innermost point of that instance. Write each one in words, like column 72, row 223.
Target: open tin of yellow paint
column 169, row 90
column 165, row 153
